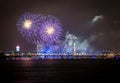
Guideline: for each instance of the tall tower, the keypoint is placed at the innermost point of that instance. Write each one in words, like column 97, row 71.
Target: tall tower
column 17, row 48
column 39, row 47
column 74, row 49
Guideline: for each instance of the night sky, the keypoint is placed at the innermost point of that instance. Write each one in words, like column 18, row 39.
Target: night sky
column 76, row 17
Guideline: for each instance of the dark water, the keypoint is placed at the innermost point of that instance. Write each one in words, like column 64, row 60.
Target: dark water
column 59, row 71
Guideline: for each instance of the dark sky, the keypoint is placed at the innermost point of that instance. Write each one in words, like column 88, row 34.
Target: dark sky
column 75, row 15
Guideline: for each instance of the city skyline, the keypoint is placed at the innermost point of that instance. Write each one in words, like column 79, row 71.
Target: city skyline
column 96, row 20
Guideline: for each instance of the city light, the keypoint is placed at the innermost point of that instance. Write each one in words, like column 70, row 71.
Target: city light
column 17, row 48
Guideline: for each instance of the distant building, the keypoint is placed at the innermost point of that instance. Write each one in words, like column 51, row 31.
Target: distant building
column 17, row 48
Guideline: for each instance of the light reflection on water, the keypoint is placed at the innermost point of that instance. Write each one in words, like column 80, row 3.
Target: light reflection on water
column 57, row 71
column 27, row 63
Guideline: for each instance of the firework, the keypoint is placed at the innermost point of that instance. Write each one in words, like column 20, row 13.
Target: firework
column 28, row 25
column 50, row 30
column 73, row 44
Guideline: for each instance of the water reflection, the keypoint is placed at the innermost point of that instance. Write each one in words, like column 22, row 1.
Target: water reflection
column 27, row 63
column 57, row 71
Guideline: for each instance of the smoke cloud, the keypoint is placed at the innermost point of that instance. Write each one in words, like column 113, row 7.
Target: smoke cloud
column 97, row 18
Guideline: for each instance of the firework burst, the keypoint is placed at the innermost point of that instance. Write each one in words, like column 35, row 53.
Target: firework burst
column 28, row 25
column 50, row 30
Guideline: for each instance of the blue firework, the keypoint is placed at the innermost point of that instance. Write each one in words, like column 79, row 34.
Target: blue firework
column 51, row 29
column 28, row 25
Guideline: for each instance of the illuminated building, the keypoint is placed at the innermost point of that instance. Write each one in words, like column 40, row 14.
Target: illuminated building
column 17, row 48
